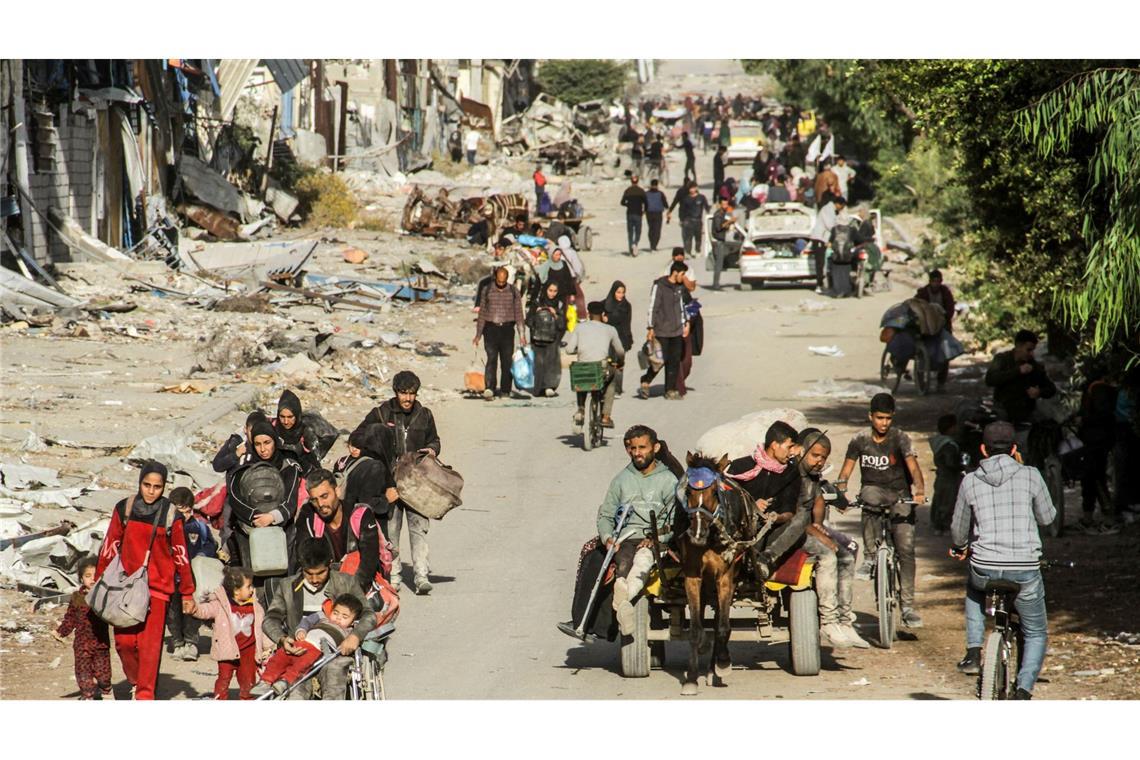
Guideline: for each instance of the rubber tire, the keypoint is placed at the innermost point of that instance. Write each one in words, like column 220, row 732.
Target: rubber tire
column 587, row 433
column 587, row 239
column 860, row 280
column 885, row 601
column 599, row 432
column 756, row 284
column 803, row 632
column 635, row 648
column 1055, row 484
column 922, row 369
column 994, row 678
column 886, row 367
column 656, row 648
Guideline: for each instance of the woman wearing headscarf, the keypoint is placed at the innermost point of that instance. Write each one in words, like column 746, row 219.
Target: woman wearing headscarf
column 557, row 271
column 134, row 521
column 547, row 322
column 238, row 448
column 241, row 513
column 619, row 315
column 365, row 475
column 291, row 432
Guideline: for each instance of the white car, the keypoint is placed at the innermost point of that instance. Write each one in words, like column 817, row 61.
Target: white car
column 745, row 138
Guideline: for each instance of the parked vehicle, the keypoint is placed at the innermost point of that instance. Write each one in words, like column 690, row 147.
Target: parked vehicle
column 745, row 138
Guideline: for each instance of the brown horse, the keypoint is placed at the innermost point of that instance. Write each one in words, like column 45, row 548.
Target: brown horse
column 716, row 526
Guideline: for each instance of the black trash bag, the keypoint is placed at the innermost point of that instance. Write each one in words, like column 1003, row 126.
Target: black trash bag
column 319, row 434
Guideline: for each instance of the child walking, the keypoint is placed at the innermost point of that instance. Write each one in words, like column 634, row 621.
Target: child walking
column 92, row 644
column 184, row 628
column 285, row 668
column 238, row 643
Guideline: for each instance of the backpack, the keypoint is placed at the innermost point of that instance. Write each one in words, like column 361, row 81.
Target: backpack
column 545, row 328
column 119, row 599
column 842, row 244
column 352, row 559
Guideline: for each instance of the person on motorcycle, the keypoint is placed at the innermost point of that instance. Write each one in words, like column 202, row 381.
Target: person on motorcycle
column 595, row 341
column 886, row 458
column 993, row 524
column 648, row 486
column 1018, row 381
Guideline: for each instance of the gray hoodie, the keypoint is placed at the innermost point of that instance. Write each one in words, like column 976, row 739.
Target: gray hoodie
column 998, row 510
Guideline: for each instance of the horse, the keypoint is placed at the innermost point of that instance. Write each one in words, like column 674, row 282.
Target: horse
column 716, row 527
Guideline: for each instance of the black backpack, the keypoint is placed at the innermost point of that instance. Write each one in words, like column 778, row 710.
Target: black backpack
column 842, row 244
column 545, row 328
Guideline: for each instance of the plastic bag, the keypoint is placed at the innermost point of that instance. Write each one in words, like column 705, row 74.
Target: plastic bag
column 571, row 318
column 522, row 367
column 949, row 346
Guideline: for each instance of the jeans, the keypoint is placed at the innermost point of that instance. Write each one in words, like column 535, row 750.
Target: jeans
column 691, row 235
column 1094, row 480
column 499, row 343
column 1030, row 606
column 671, row 352
column 333, row 679
column 183, row 628
column 633, row 230
column 902, row 531
column 721, row 250
column 417, row 538
column 784, row 538
column 654, row 219
column 834, row 582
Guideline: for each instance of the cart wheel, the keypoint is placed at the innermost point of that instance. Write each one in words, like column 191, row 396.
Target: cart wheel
column 803, row 632
column 635, row 648
column 922, row 368
column 587, row 239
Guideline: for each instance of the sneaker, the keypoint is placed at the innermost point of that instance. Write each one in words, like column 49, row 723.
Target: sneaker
column 971, row 664
column 423, row 586
column 607, row 422
column 672, row 396
column 1022, row 694
column 643, row 391
column 763, row 566
column 550, row 393
column 864, row 571
column 854, row 638
column 488, row 394
column 190, row 653
column 910, row 618
column 579, row 417
column 516, row 395
column 397, row 580
column 261, row 688
column 819, row 291
column 836, row 635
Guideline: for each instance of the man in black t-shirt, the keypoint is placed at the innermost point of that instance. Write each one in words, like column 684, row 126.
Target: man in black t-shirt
column 634, row 201
column 887, row 467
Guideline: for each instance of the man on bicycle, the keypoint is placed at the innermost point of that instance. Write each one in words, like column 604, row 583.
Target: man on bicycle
column 595, row 341
column 994, row 519
column 886, row 458
column 648, row 486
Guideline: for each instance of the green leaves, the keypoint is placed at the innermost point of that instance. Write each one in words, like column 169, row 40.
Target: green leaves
column 578, row 80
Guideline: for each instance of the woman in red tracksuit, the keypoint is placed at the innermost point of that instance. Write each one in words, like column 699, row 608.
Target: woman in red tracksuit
column 140, row 646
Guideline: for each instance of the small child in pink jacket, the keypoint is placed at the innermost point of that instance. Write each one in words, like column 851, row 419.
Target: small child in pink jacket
column 238, row 643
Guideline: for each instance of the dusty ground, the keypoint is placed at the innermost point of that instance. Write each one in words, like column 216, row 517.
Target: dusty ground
column 503, row 563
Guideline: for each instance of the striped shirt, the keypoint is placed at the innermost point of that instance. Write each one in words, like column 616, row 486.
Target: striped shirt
column 499, row 306
column 999, row 508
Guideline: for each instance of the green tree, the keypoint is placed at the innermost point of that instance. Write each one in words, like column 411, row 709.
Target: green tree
column 578, row 80
column 1105, row 105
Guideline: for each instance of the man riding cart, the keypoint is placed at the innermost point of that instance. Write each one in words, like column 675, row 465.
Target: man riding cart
column 662, row 534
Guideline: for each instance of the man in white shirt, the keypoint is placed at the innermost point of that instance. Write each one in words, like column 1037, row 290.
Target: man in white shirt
column 472, row 144
column 843, row 173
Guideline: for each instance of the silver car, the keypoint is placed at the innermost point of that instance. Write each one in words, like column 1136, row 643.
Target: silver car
column 778, row 245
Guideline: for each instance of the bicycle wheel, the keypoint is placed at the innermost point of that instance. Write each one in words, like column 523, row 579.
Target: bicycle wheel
column 588, row 423
column 995, row 668
column 922, row 368
column 596, row 429
column 885, row 597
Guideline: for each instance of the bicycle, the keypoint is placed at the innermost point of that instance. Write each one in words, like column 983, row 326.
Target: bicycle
column 886, row 574
column 592, row 379
column 1004, row 644
column 922, row 364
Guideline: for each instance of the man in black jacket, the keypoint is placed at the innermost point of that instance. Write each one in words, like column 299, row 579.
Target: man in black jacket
column 718, row 168
column 1019, row 380
column 668, row 324
column 634, row 201
column 410, row 428
column 326, row 518
column 690, row 157
column 693, row 208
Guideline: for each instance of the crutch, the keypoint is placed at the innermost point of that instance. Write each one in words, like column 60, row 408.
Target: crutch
column 580, row 631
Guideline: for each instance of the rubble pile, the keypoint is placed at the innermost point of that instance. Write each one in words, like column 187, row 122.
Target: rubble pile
column 553, row 132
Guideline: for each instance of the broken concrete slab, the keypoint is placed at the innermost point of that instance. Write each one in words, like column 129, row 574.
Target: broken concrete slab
column 250, row 262
column 78, row 239
column 20, row 476
column 17, row 291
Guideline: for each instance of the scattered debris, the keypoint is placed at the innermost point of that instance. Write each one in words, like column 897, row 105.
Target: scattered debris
column 832, row 351
column 828, row 388
column 861, row 682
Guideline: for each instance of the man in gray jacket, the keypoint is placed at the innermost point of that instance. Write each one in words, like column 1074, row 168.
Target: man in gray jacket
column 669, row 325
column 647, row 486
column 595, row 341
column 995, row 522
column 303, row 594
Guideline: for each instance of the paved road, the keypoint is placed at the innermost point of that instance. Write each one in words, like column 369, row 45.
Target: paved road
column 532, row 496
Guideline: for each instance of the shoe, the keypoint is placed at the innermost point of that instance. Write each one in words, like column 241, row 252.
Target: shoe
column 190, row 653
column 423, row 586
column 397, row 581
column 836, row 635
column 910, row 618
column 819, row 291
column 763, row 566
column 516, row 395
column 261, row 688
column 1022, row 694
column 488, row 394
column 672, row 396
column 643, row 391
column 854, row 638
column 607, row 422
column 971, row 664
column 550, row 393
column 864, row 571
column 580, row 417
